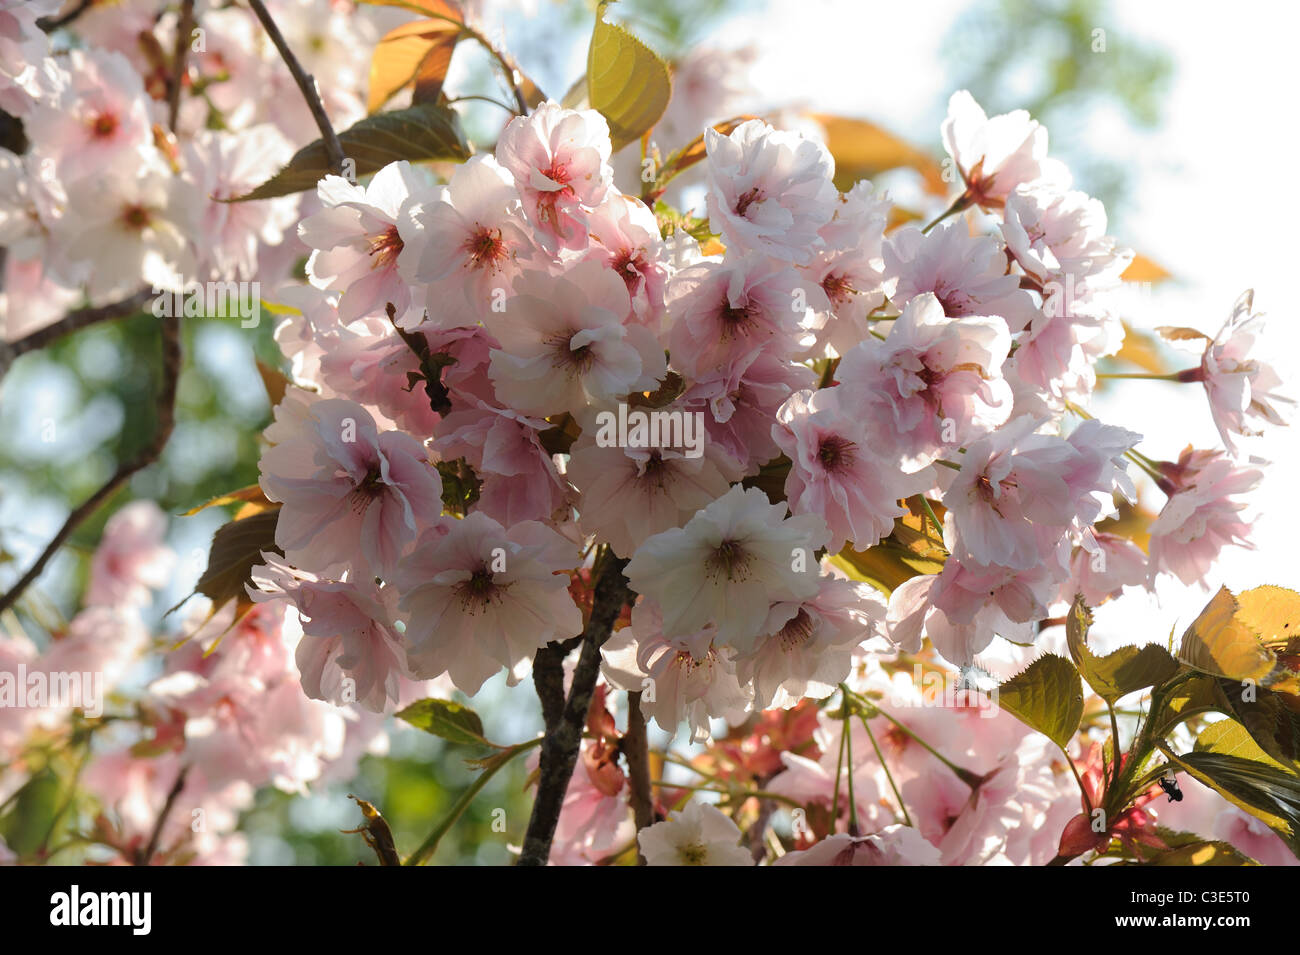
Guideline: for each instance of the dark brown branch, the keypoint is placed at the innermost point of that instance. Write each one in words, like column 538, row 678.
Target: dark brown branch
column 333, row 149
column 560, row 747
column 548, row 679
column 180, row 58
column 50, row 24
column 73, row 321
column 171, row 366
column 145, row 857
column 637, row 750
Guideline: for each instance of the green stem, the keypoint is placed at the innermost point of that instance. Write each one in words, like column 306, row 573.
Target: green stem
column 965, row 775
column 679, row 761
column 835, row 800
column 1077, row 778
column 741, row 794
column 846, row 733
column 1114, row 735
column 430, row 845
column 884, row 765
column 938, row 526
column 960, row 204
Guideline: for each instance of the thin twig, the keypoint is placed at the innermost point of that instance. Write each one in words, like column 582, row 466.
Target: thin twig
column 636, row 748
column 156, row 836
column 171, row 365
column 180, row 58
column 333, row 149
column 73, row 321
column 560, row 747
column 50, row 24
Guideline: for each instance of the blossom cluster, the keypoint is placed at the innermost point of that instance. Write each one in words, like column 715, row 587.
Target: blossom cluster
column 808, row 377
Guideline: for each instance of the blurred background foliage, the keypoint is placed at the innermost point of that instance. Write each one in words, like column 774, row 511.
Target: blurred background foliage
column 98, row 388
column 1061, row 61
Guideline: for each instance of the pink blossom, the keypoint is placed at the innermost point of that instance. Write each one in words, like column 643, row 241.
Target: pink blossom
column 1018, row 491
column 739, row 401
column 723, row 310
column 131, row 558
column 1239, row 386
column 1201, row 516
column 937, row 381
column 1055, row 234
column 223, row 167
column 593, row 824
column 630, row 494
column 359, row 239
column 626, row 239
column 692, row 677
column 564, row 344
column 97, row 120
column 475, row 240
column 912, row 614
column 967, row 274
column 560, row 160
column 836, row 472
column 770, row 191
column 996, row 155
column 894, row 845
column 847, row 276
column 1101, row 566
column 519, row 478
column 343, row 485
column 480, row 597
column 349, row 652
column 808, row 651
column 729, row 563
column 134, row 222
column 698, row 835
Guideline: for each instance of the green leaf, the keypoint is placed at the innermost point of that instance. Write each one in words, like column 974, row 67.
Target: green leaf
column 1122, row 672
column 1221, row 643
column 452, row 721
column 1229, row 738
column 34, row 811
column 626, row 81
column 236, row 549
column 424, row 131
column 1265, row 715
column 913, row 548
column 1266, row 793
column 1202, row 853
column 1193, row 696
column 243, row 496
column 1047, row 697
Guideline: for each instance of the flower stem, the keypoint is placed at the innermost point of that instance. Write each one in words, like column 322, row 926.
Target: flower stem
column 960, row 204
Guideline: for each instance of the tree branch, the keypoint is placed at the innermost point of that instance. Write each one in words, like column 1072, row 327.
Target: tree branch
column 636, row 748
column 560, row 746
column 145, row 857
column 50, row 24
column 171, row 366
column 73, row 321
column 180, row 57
column 333, row 149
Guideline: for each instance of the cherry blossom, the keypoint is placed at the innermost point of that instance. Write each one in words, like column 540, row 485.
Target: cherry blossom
column 481, row 597
column 698, row 835
column 770, row 191
column 730, row 561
